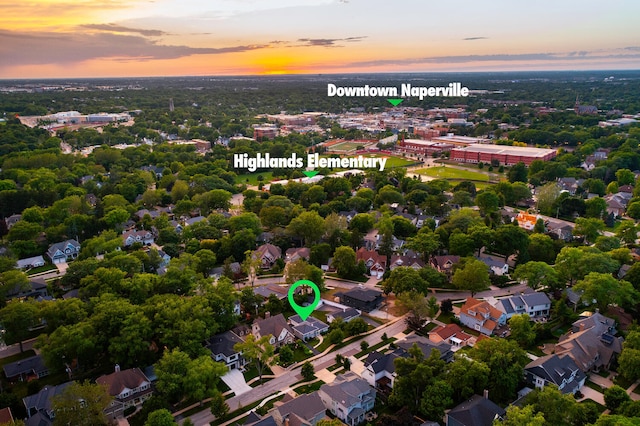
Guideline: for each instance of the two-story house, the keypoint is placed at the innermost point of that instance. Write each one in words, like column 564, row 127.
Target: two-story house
column 536, row 305
column 64, row 251
column 129, row 388
column 39, row 408
column 444, row 264
column 481, row 316
column 277, row 327
column 221, row 347
column 268, row 254
column 561, row 371
column 376, row 263
column 143, row 237
column 496, row 267
column 380, row 370
column 303, row 410
column 348, row 398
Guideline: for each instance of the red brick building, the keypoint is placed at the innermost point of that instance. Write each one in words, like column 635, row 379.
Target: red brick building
column 507, row 155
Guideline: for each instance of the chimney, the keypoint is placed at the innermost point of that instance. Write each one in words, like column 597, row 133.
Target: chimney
column 117, row 369
column 286, row 421
column 485, row 394
column 267, row 315
column 582, row 326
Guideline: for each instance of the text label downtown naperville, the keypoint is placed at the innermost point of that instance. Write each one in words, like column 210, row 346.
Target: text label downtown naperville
column 454, row 89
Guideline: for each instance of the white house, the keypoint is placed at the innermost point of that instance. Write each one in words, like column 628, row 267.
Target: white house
column 131, row 237
column 30, row 262
column 536, row 305
column 348, row 398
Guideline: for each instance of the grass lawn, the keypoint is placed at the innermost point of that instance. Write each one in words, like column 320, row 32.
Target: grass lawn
column 601, row 407
column 375, row 347
column 394, row 161
column 322, row 316
column 444, row 172
column 593, row 386
column 40, row 269
column 446, row 318
column 301, row 353
column 622, row 381
column 308, row 388
column 252, row 178
column 252, row 372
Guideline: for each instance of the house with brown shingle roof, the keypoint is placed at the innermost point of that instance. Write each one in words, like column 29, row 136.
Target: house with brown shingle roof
column 451, row 334
column 129, row 388
column 277, row 327
column 268, row 254
column 591, row 343
column 481, row 316
column 444, row 264
column 376, row 263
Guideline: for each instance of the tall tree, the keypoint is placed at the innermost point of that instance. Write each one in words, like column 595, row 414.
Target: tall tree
column 17, row 318
column 309, row 226
column 537, row 275
column 473, row 277
column 605, row 290
column 81, row 404
column 521, row 330
column 259, row 351
column 425, row 243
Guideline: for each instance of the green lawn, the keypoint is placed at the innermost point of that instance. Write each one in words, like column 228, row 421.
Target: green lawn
column 593, row 386
column 308, row 388
column 394, row 161
column 446, row 318
column 252, row 178
column 40, row 269
column 622, row 381
column 444, row 172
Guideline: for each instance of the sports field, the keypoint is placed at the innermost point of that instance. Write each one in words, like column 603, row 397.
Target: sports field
column 393, row 161
column 444, row 172
column 347, row 146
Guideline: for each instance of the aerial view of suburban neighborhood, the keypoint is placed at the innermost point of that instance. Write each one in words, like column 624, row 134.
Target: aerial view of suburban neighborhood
column 294, row 231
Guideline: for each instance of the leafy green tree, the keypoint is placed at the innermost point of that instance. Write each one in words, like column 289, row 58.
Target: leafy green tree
column 259, row 351
column 625, row 177
column 461, row 244
column 573, row 264
column 589, row 228
column 309, row 226
column 307, row 371
column 161, row 417
column 633, row 210
column 202, row 377
column 627, row 232
column 12, row 281
column 614, row 397
column 425, row 243
column 537, row 275
column 506, row 363
column 473, row 277
column 219, row 406
column 404, row 279
column 521, row 330
column 605, row 290
column 629, row 359
column 436, row 398
column 521, row 416
column 17, row 318
column 467, row 377
column 285, row 355
column 518, row 173
column 417, row 308
column 81, row 404
column 488, row 202
column 172, row 369
column 344, row 260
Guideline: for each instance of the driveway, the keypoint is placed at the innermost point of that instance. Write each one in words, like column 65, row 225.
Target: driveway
column 235, row 380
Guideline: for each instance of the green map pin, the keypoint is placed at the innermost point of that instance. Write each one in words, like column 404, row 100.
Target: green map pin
column 304, row 311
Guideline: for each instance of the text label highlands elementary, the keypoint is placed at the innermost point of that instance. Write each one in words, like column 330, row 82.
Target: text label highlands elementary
column 406, row 90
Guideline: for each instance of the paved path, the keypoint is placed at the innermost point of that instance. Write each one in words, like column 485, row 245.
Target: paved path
column 235, row 380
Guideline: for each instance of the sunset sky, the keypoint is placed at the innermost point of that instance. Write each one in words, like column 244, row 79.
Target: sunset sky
column 121, row 38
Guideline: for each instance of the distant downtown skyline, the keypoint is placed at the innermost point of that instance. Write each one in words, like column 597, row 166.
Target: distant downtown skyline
column 118, row 38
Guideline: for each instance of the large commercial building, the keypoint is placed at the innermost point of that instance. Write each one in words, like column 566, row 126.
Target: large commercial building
column 419, row 146
column 508, row 155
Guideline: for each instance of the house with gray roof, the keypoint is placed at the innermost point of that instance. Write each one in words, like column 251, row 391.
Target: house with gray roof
column 307, row 329
column 26, row 369
column 591, row 343
column 364, row 299
column 63, row 251
column 426, row 346
column 30, row 262
column 496, row 267
column 536, row 305
column 561, row 371
column 277, row 327
column 345, row 314
column 380, row 369
column 303, row 410
column 221, row 347
column 38, row 406
column 348, row 398
column 476, row 411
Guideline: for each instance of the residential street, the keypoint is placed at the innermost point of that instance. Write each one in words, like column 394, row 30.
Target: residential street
column 285, row 380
